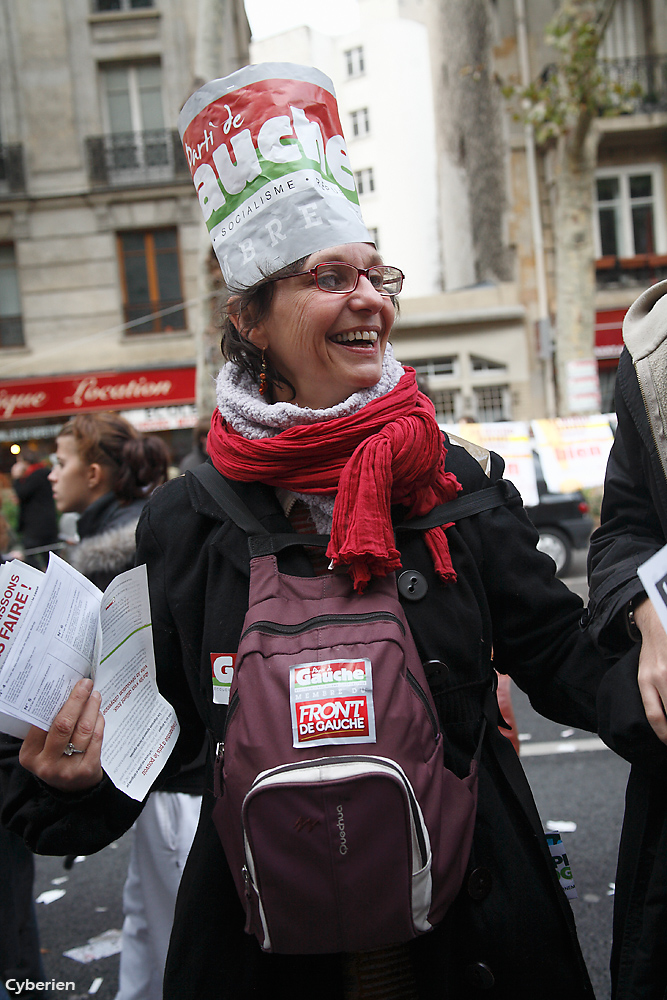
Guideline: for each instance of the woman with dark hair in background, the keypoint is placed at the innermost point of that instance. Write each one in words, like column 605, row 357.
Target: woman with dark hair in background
column 105, row 471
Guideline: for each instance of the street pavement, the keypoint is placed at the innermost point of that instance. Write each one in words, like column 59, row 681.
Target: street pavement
column 577, row 789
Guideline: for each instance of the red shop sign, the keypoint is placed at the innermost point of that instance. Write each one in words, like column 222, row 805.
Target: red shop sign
column 65, row 395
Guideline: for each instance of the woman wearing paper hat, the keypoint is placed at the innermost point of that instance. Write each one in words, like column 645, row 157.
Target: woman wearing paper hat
column 319, row 429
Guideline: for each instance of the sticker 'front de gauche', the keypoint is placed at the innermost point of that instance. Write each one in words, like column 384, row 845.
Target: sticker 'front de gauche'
column 331, row 702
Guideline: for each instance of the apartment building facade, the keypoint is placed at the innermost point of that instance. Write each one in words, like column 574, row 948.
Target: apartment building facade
column 630, row 184
column 100, row 230
column 469, row 342
column 103, row 254
column 459, row 196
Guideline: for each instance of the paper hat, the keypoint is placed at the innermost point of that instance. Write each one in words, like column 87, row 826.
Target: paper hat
column 270, row 166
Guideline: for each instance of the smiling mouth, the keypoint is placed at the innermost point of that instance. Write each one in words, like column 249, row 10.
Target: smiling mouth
column 355, row 335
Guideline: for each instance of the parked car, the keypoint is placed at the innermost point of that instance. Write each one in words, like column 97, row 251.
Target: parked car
column 563, row 522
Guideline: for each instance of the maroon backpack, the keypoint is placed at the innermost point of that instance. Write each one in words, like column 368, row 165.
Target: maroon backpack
column 343, row 829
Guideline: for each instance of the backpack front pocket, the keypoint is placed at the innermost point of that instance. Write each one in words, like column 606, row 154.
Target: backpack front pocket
column 337, row 855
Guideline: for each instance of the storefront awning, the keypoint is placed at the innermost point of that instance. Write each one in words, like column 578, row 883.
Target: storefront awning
column 67, row 395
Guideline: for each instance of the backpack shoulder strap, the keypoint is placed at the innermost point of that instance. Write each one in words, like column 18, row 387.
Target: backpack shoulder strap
column 503, row 492
column 261, row 542
column 219, row 489
column 215, row 484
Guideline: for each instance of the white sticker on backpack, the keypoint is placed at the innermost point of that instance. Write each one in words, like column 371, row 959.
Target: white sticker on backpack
column 331, row 702
column 222, row 671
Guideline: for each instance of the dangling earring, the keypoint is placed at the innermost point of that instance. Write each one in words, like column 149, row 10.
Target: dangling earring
column 262, row 377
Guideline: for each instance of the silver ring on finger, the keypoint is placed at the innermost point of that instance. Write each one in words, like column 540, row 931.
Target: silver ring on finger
column 70, row 749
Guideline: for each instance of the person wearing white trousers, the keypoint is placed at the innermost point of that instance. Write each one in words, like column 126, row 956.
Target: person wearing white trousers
column 161, row 842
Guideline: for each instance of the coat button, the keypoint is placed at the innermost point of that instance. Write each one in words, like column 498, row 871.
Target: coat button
column 435, row 669
column 412, row 585
column 479, row 883
column 479, row 976
column 585, row 615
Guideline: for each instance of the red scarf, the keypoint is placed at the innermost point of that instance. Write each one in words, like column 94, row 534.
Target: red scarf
column 388, row 452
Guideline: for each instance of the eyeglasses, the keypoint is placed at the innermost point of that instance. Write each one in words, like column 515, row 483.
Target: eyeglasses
column 334, row 276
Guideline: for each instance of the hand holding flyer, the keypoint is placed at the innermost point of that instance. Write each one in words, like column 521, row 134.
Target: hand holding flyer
column 56, row 628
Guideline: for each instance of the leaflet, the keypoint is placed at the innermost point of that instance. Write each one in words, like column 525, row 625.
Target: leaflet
column 19, row 585
column 653, row 575
column 66, row 629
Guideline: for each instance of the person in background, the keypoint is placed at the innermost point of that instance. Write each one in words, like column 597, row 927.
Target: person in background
column 198, row 453
column 38, row 523
column 625, row 625
column 5, row 537
column 105, row 471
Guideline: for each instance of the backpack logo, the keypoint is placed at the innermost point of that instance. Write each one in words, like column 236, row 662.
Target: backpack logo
column 342, row 847
column 331, row 702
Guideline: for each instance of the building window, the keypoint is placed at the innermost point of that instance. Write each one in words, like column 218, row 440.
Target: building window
column 102, row 6
column 479, row 364
column 436, row 366
column 11, row 321
column 361, row 123
column 446, row 402
column 364, row 180
column 133, row 97
column 375, row 236
column 630, row 217
column 492, row 402
column 151, row 280
column 138, row 139
column 354, row 61
column 625, row 34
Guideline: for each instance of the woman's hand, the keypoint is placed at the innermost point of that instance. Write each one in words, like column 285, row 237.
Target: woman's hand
column 652, row 673
column 79, row 723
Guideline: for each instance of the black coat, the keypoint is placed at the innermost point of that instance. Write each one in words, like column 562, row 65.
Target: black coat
column 38, row 522
column 633, row 528
column 512, row 924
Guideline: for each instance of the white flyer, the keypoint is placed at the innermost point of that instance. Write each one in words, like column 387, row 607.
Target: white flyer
column 69, row 630
column 19, row 585
column 140, row 726
column 653, row 575
column 54, row 646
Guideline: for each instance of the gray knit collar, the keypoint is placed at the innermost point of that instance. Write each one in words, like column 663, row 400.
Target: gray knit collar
column 242, row 406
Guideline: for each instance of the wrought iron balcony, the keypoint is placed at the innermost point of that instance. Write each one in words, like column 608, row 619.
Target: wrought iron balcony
column 650, row 72
column 136, row 158
column 12, row 171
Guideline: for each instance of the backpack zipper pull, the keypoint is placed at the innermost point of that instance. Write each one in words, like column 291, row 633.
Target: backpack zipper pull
column 246, row 880
column 217, row 768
